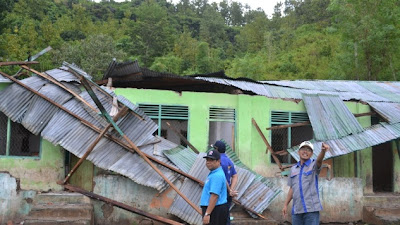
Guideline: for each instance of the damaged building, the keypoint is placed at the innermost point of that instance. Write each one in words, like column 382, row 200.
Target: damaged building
column 134, row 145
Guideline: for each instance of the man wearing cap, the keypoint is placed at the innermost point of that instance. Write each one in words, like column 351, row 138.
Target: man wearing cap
column 230, row 173
column 303, row 183
column 213, row 201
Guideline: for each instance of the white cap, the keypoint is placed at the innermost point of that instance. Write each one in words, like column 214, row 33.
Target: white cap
column 307, row 143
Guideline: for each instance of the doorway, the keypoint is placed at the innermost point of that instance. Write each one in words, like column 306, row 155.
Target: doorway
column 382, row 167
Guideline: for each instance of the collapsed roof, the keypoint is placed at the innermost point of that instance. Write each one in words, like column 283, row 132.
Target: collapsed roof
column 52, row 105
column 331, row 120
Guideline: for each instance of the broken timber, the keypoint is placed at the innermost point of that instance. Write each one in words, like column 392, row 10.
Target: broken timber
column 93, row 145
column 132, row 145
column 308, row 122
column 183, row 138
column 201, row 183
column 18, row 63
column 121, row 205
column 91, row 126
column 267, row 144
column 96, row 129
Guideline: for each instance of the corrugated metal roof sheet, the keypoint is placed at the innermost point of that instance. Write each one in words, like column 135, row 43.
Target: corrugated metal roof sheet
column 183, row 158
column 61, row 128
column 382, row 90
column 374, row 135
column 254, row 191
column 389, row 111
column 4, row 80
column 121, row 69
column 192, row 191
column 329, row 116
column 347, row 90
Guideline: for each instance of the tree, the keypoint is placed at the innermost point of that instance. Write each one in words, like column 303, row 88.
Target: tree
column 212, row 28
column 92, row 54
column 151, row 34
column 252, row 35
column 370, row 36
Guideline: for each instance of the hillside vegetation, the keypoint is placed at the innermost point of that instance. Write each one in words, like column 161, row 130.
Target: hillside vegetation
column 303, row 39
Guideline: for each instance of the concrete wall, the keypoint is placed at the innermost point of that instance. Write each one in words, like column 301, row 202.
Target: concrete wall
column 21, row 178
column 40, row 174
column 341, row 200
column 128, row 192
column 14, row 202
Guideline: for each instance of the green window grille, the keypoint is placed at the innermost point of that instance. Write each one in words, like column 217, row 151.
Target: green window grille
column 282, row 139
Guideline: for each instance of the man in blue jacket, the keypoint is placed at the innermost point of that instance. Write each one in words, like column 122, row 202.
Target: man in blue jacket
column 213, row 201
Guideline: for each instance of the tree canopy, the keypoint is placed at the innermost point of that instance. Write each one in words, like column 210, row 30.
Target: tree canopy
column 303, row 39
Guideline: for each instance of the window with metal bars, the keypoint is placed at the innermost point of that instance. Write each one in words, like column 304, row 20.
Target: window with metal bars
column 17, row 141
column 284, row 138
column 176, row 116
column 222, row 125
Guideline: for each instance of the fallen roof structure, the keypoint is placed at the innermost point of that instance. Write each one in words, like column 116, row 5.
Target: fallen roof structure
column 51, row 104
column 331, row 120
column 254, row 191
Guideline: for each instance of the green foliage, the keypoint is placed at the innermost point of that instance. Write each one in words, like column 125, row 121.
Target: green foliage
column 151, row 35
column 92, row 54
column 303, row 39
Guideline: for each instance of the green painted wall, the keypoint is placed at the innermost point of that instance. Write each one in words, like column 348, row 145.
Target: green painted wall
column 38, row 173
column 83, row 176
column 249, row 145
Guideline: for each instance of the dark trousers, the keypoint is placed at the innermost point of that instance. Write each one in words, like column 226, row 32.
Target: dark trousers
column 219, row 215
column 310, row 218
column 229, row 199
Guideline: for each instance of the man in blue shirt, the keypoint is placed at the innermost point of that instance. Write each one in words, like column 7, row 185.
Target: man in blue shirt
column 213, row 197
column 230, row 173
column 303, row 183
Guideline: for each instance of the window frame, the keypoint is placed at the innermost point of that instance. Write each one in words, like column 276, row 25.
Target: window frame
column 289, row 120
column 159, row 117
column 231, row 120
column 8, row 144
